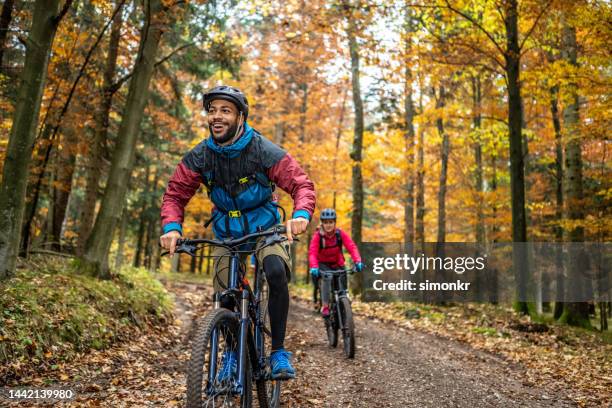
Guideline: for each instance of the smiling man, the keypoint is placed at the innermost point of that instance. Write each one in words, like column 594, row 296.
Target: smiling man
column 240, row 169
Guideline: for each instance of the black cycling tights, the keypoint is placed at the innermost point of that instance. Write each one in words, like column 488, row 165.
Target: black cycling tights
column 278, row 298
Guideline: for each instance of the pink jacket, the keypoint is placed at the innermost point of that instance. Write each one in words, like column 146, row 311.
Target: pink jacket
column 331, row 253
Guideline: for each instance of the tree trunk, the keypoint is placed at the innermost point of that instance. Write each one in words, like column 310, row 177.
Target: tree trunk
column 574, row 313
column 337, row 151
column 209, row 261
column 201, row 258
column 142, row 228
column 39, row 168
column 356, row 153
column 478, row 179
column 95, row 258
column 45, row 20
column 96, row 148
column 420, row 183
column 494, row 228
column 122, row 234
column 517, row 165
column 153, row 230
column 193, row 264
column 147, row 243
column 140, row 240
column 444, row 153
column 408, row 134
column 554, row 110
column 63, row 186
column 6, row 15
column 53, row 125
column 478, row 173
column 46, row 235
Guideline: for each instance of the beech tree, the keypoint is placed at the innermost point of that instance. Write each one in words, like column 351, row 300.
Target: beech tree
column 46, row 18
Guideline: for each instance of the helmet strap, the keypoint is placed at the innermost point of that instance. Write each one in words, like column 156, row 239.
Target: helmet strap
column 238, row 129
column 240, row 126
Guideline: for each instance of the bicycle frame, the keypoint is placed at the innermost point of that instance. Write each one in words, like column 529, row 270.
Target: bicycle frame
column 338, row 292
column 232, row 290
column 253, row 339
column 240, row 328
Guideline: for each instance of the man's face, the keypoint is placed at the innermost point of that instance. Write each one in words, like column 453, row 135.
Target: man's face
column 328, row 225
column 223, row 117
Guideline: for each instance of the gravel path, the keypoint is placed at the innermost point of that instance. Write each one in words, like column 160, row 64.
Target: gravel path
column 392, row 368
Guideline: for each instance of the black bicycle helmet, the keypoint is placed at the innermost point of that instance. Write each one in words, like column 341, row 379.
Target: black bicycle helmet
column 328, row 214
column 228, row 93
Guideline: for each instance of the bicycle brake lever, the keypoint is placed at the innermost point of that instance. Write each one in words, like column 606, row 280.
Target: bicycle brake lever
column 187, row 249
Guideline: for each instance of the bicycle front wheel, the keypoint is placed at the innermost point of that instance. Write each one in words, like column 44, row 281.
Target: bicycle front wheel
column 268, row 392
column 219, row 333
column 348, row 331
column 331, row 326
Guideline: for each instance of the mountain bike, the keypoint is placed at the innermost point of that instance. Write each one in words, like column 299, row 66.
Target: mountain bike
column 244, row 330
column 340, row 312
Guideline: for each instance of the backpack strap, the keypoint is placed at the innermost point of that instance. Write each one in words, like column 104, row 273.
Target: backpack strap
column 338, row 240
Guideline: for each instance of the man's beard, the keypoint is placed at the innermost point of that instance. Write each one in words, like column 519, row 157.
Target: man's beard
column 227, row 136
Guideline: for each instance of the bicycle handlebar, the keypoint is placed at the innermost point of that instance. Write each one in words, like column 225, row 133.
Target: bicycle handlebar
column 338, row 271
column 189, row 246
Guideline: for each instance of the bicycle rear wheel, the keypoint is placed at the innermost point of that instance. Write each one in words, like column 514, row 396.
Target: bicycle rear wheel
column 223, row 326
column 348, row 331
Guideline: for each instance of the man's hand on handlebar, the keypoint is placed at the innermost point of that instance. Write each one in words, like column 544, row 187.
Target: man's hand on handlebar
column 295, row 226
column 168, row 241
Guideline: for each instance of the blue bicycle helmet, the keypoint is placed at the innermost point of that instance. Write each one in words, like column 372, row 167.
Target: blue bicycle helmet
column 328, row 214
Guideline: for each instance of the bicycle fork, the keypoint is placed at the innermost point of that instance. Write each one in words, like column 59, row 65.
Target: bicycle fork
column 244, row 323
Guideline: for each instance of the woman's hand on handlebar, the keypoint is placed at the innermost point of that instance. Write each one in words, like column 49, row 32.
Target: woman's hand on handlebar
column 168, row 241
column 296, row 226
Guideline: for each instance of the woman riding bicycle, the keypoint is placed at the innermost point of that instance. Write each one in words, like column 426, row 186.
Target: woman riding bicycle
column 326, row 254
column 239, row 169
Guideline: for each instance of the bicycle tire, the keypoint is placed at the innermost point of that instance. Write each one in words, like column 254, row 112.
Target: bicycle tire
column 348, row 332
column 331, row 327
column 268, row 391
column 219, row 319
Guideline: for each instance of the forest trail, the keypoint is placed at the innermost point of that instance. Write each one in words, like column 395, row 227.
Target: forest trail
column 393, row 367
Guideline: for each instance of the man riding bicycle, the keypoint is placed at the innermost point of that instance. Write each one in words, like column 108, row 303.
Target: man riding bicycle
column 240, row 169
column 325, row 253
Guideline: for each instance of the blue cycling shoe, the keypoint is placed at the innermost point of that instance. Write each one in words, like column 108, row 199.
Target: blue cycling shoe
column 280, row 365
column 229, row 366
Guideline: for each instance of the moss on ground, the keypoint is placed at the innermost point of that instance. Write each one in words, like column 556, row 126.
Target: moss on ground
column 49, row 312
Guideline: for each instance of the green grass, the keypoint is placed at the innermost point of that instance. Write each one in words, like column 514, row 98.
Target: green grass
column 50, row 311
column 487, row 331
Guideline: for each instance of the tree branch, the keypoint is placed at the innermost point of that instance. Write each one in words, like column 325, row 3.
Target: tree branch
column 535, row 23
column 115, row 87
column 476, row 24
column 63, row 12
column 82, row 69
